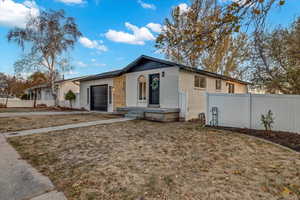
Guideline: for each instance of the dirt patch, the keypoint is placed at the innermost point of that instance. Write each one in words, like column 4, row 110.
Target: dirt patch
column 290, row 140
column 44, row 121
column 152, row 161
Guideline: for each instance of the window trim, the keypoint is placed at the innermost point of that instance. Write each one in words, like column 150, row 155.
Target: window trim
column 230, row 88
column 200, row 77
column 142, row 88
column 218, row 89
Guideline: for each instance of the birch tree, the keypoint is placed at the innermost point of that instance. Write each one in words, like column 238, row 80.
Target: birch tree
column 48, row 38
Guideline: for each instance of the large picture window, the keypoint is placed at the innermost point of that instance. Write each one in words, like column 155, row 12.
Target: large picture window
column 142, row 88
column 200, row 82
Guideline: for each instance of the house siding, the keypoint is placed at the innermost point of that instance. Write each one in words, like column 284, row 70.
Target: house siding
column 119, row 93
column 84, row 85
column 196, row 97
column 64, row 87
column 168, row 87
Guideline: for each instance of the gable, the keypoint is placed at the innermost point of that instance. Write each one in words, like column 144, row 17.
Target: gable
column 145, row 64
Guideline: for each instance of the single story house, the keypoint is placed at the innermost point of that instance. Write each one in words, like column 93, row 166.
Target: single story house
column 155, row 88
column 43, row 93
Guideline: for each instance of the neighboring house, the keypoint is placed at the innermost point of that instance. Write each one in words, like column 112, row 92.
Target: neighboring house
column 157, row 86
column 43, row 92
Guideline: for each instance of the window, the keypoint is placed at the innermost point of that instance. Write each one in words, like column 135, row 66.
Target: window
column 200, row 82
column 230, row 88
column 88, row 95
column 142, row 88
column 110, row 94
column 218, row 84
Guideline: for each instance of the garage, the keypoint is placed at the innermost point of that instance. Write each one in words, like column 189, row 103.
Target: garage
column 99, row 97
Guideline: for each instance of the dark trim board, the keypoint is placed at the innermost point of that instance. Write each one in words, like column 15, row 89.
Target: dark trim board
column 99, row 97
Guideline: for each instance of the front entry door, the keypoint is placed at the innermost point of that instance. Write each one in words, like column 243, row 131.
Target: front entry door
column 154, row 84
column 99, row 97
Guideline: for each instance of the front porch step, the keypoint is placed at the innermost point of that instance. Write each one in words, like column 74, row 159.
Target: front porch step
column 135, row 114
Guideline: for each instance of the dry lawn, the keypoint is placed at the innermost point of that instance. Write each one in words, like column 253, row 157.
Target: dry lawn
column 10, row 110
column 42, row 121
column 140, row 160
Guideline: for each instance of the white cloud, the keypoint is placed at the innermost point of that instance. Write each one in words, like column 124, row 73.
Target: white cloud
column 147, row 5
column 154, row 27
column 81, row 64
column 92, row 44
column 13, row 14
column 138, row 37
column 71, row 72
column 183, row 7
column 72, row 1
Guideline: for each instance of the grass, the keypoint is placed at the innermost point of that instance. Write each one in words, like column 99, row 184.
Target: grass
column 146, row 160
column 42, row 121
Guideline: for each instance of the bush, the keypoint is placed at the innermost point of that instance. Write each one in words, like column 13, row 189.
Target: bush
column 267, row 120
column 70, row 96
column 2, row 105
column 25, row 97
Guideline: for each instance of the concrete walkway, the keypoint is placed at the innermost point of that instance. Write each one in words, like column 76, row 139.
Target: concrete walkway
column 63, row 127
column 17, row 114
column 19, row 180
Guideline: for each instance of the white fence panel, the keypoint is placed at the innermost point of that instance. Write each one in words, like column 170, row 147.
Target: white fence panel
column 245, row 110
column 286, row 110
column 18, row 103
column 233, row 109
column 183, row 104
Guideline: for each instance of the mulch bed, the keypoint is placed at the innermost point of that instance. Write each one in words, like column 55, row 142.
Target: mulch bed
column 287, row 139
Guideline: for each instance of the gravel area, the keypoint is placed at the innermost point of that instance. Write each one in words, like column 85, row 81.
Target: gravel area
column 141, row 160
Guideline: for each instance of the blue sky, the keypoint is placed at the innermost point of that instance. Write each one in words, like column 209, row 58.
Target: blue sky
column 115, row 32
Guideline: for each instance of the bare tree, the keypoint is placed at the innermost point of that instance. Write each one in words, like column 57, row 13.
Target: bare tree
column 48, row 36
column 276, row 59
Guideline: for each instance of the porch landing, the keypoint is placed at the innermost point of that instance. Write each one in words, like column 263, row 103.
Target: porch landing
column 153, row 114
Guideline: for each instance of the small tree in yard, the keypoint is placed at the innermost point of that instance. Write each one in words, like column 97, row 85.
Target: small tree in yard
column 70, row 96
column 267, row 120
column 49, row 36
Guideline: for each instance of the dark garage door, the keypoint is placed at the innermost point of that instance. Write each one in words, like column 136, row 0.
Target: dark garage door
column 99, row 97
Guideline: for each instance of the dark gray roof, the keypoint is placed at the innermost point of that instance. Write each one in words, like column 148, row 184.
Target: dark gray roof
column 165, row 63
column 103, row 75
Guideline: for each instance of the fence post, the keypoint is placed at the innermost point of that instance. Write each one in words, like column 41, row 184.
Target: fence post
column 250, row 110
column 207, row 107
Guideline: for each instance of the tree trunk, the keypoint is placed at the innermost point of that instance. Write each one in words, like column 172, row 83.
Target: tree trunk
column 53, row 91
column 6, row 101
column 34, row 98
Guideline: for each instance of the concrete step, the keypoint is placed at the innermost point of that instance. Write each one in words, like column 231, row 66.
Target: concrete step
column 135, row 114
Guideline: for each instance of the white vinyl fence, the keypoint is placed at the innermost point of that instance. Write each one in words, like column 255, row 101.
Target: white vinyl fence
column 245, row 110
column 18, row 103
column 183, row 99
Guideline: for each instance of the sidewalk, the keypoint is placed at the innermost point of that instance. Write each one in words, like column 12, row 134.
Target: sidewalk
column 63, row 127
column 19, row 180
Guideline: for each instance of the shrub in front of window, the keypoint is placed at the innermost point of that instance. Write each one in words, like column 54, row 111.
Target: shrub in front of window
column 70, row 96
